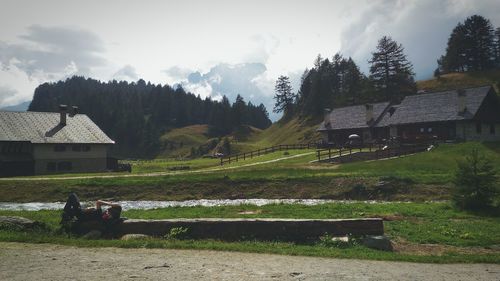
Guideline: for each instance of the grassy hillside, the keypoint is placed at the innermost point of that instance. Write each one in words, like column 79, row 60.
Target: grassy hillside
column 290, row 131
column 178, row 142
column 461, row 80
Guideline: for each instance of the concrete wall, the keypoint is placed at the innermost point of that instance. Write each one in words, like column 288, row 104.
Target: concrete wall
column 93, row 160
column 467, row 131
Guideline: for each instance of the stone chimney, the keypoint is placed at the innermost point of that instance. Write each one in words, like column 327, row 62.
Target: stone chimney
column 369, row 113
column 74, row 111
column 327, row 112
column 461, row 101
column 62, row 111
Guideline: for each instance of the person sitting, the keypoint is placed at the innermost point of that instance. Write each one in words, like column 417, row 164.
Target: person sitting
column 72, row 209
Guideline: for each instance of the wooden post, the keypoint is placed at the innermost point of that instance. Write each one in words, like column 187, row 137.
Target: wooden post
column 329, row 153
column 221, row 163
column 317, row 152
column 244, row 156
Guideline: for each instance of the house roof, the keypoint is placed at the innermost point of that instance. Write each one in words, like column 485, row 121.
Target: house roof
column 420, row 108
column 435, row 107
column 43, row 127
column 351, row 117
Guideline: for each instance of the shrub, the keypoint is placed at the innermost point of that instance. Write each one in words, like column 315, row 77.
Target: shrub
column 177, row 233
column 475, row 182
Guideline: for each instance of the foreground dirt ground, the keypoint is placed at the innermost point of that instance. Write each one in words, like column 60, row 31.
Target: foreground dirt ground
column 53, row 262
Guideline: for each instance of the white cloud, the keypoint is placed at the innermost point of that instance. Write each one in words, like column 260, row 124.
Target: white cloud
column 423, row 27
column 127, row 73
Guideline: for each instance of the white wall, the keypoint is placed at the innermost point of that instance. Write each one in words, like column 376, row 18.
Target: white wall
column 81, row 161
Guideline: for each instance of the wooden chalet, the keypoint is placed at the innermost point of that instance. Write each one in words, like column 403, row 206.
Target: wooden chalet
column 465, row 114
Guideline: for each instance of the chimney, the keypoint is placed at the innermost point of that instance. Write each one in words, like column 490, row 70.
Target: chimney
column 62, row 112
column 327, row 112
column 74, row 111
column 461, row 101
column 369, row 113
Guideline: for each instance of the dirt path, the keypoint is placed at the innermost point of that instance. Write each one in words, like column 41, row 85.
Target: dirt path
column 52, row 262
column 155, row 174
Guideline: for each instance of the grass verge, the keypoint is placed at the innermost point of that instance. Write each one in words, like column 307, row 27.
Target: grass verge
column 460, row 236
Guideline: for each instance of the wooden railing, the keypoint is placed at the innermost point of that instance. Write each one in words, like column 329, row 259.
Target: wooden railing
column 329, row 153
column 249, row 155
column 372, row 151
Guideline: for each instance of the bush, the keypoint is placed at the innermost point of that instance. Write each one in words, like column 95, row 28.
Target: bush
column 475, row 182
column 177, row 233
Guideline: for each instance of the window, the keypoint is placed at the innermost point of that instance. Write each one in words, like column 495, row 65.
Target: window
column 51, row 167
column 86, row 148
column 64, row 166
column 478, row 128
column 76, row 147
column 59, row 148
column 492, row 129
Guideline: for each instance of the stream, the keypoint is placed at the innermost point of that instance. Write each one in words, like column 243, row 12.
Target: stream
column 145, row 205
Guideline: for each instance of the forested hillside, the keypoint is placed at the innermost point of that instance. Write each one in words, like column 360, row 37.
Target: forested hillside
column 135, row 115
column 473, row 51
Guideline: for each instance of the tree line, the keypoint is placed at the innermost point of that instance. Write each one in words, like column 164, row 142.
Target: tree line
column 136, row 114
column 339, row 82
column 473, row 45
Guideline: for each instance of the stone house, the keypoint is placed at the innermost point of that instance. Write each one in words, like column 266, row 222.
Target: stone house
column 36, row 143
column 464, row 114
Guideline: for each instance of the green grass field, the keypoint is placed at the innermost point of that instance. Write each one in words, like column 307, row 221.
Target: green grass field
column 458, row 236
column 274, row 175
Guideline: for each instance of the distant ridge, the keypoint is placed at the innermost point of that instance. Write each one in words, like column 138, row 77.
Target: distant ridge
column 18, row 107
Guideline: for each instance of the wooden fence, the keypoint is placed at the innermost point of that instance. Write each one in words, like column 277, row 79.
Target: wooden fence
column 373, row 153
column 249, row 155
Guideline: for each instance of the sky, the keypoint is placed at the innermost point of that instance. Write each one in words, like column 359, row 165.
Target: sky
column 213, row 48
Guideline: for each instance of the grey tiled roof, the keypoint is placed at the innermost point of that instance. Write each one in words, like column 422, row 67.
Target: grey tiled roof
column 43, row 127
column 435, row 107
column 351, row 117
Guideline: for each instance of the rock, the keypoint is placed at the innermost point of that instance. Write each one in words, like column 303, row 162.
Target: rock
column 377, row 242
column 91, row 235
column 19, row 223
column 135, row 237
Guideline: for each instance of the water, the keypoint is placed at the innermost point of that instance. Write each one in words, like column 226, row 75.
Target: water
column 146, row 205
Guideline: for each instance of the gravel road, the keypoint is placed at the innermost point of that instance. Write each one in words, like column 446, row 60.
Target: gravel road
column 53, row 262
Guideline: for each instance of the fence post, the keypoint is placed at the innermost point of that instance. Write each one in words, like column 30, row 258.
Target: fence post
column 319, row 157
column 221, row 163
column 244, row 156
column 340, row 152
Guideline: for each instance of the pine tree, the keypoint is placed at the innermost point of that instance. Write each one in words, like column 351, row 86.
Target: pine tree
column 480, row 53
column 390, row 72
column 471, row 46
column 284, row 96
column 497, row 47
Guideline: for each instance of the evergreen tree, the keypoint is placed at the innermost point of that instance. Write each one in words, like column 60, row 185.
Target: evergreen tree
column 497, row 47
column 238, row 112
column 471, row 46
column 284, row 96
column 390, row 72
